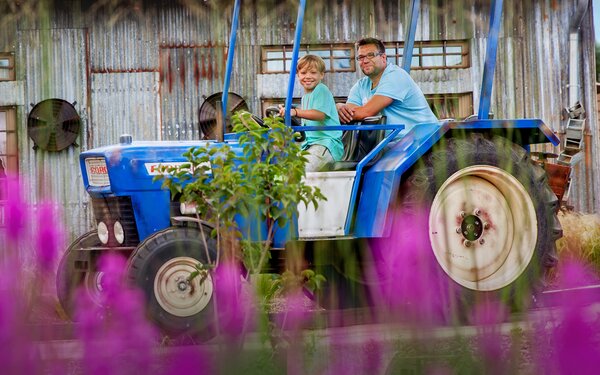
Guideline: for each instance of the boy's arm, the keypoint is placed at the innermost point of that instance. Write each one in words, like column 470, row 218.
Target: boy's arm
column 309, row 114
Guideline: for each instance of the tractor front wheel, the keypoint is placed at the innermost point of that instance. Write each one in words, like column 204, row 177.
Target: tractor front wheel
column 75, row 271
column 162, row 265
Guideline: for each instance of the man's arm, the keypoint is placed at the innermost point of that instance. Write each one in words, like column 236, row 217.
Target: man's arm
column 372, row 108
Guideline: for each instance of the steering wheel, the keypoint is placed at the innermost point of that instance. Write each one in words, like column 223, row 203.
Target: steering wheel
column 274, row 112
column 259, row 121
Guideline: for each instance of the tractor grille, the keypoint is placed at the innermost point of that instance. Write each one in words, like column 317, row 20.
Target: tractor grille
column 112, row 209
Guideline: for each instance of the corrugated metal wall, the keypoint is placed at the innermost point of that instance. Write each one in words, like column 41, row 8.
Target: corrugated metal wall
column 52, row 65
column 147, row 71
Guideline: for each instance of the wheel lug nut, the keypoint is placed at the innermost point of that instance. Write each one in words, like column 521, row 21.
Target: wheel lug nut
column 486, row 225
column 482, row 241
column 477, row 212
column 462, row 214
column 467, row 243
column 458, row 230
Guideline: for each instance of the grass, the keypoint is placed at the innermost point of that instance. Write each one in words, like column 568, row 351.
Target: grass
column 581, row 240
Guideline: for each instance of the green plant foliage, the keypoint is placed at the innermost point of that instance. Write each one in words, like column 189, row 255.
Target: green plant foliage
column 264, row 180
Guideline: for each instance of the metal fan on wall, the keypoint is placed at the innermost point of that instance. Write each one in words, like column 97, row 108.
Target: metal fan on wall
column 53, row 125
column 207, row 116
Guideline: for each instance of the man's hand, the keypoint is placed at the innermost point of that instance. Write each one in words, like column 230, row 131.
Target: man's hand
column 345, row 111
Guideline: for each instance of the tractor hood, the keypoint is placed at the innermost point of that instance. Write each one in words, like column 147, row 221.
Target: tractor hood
column 127, row 167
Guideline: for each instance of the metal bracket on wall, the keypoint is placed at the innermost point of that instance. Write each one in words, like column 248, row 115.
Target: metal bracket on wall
column 573, row 143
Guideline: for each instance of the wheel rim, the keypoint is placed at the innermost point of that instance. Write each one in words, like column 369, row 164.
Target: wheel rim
column 176, row 294
column 93, row 287
column 483, row 227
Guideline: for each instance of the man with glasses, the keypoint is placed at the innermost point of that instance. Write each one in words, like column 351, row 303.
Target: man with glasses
column 387, row 90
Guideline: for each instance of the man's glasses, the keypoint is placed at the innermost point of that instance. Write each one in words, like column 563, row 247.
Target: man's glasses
column 370, row 56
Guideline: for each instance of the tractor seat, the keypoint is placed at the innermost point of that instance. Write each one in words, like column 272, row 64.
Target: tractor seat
column 357, row 144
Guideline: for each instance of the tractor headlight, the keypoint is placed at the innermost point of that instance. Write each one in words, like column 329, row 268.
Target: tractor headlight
column 103, row 232
column 119, row 232
column 188, row 208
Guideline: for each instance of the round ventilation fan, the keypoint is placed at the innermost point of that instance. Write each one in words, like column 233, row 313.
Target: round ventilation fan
column 53, row 124
column 207, row 116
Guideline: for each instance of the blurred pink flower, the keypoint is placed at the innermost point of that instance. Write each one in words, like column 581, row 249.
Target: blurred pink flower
column 411, row 285
column 296, row 312
column 116, row 336
column 190, row 360
column 234, row 305
column 488, row 316
column 15, row 209
column 566, row 342
column 18, row 354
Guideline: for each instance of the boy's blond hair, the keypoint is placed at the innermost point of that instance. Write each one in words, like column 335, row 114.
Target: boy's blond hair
column 311, row 61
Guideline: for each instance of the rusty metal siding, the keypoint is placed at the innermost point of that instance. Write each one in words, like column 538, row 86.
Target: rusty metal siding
column 124, row 103
column 53, row 65
column 124, row 45
column 586, row 178
column 8, row 34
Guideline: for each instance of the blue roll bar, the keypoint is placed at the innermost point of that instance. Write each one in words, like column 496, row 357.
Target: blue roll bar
column 490, row 60
column 230, row 53
column 297, row 39
column 409, row 43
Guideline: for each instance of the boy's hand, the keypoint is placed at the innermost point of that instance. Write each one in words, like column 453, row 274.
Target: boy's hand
column 345, row 112
column 293, row 111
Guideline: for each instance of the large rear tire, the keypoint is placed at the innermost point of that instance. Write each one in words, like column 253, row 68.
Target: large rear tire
column 161, row 267
column 490, row 216
column 74, row 273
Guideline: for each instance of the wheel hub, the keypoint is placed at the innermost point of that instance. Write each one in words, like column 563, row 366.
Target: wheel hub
column 471, row 228
column 176, row 293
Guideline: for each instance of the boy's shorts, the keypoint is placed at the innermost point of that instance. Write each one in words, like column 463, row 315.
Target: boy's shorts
column 318, row 158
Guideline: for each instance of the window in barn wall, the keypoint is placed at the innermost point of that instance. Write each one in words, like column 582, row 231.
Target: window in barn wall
column 337, row 57
column 7, row 67
column 444, row 54
column 8, row 152
column 454, row 106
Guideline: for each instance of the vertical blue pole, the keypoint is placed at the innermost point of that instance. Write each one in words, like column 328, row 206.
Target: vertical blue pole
column 409, row 42
column 231, row 51
column 297, row 37
column 490, row 60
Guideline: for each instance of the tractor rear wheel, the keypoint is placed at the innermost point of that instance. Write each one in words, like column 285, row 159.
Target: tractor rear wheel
column 489, row 214
column 161, row 266
column 74, row 272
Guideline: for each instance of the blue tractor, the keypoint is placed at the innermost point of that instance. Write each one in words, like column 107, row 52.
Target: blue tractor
column 490, row 215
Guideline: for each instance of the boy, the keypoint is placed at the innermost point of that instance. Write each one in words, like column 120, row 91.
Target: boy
column 317, row 108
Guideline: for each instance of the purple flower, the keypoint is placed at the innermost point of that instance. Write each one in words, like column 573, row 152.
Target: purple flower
column 116, row 336
column 234, row 304
column 191, row 360
column 15, row 210
column 411, row 285
column 18, row 354
column 296, row 313
column 566, row 341
column 488, row 316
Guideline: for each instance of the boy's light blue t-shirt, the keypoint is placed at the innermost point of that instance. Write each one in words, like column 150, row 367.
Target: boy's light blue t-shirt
column 322, row 100
column 409, row 106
